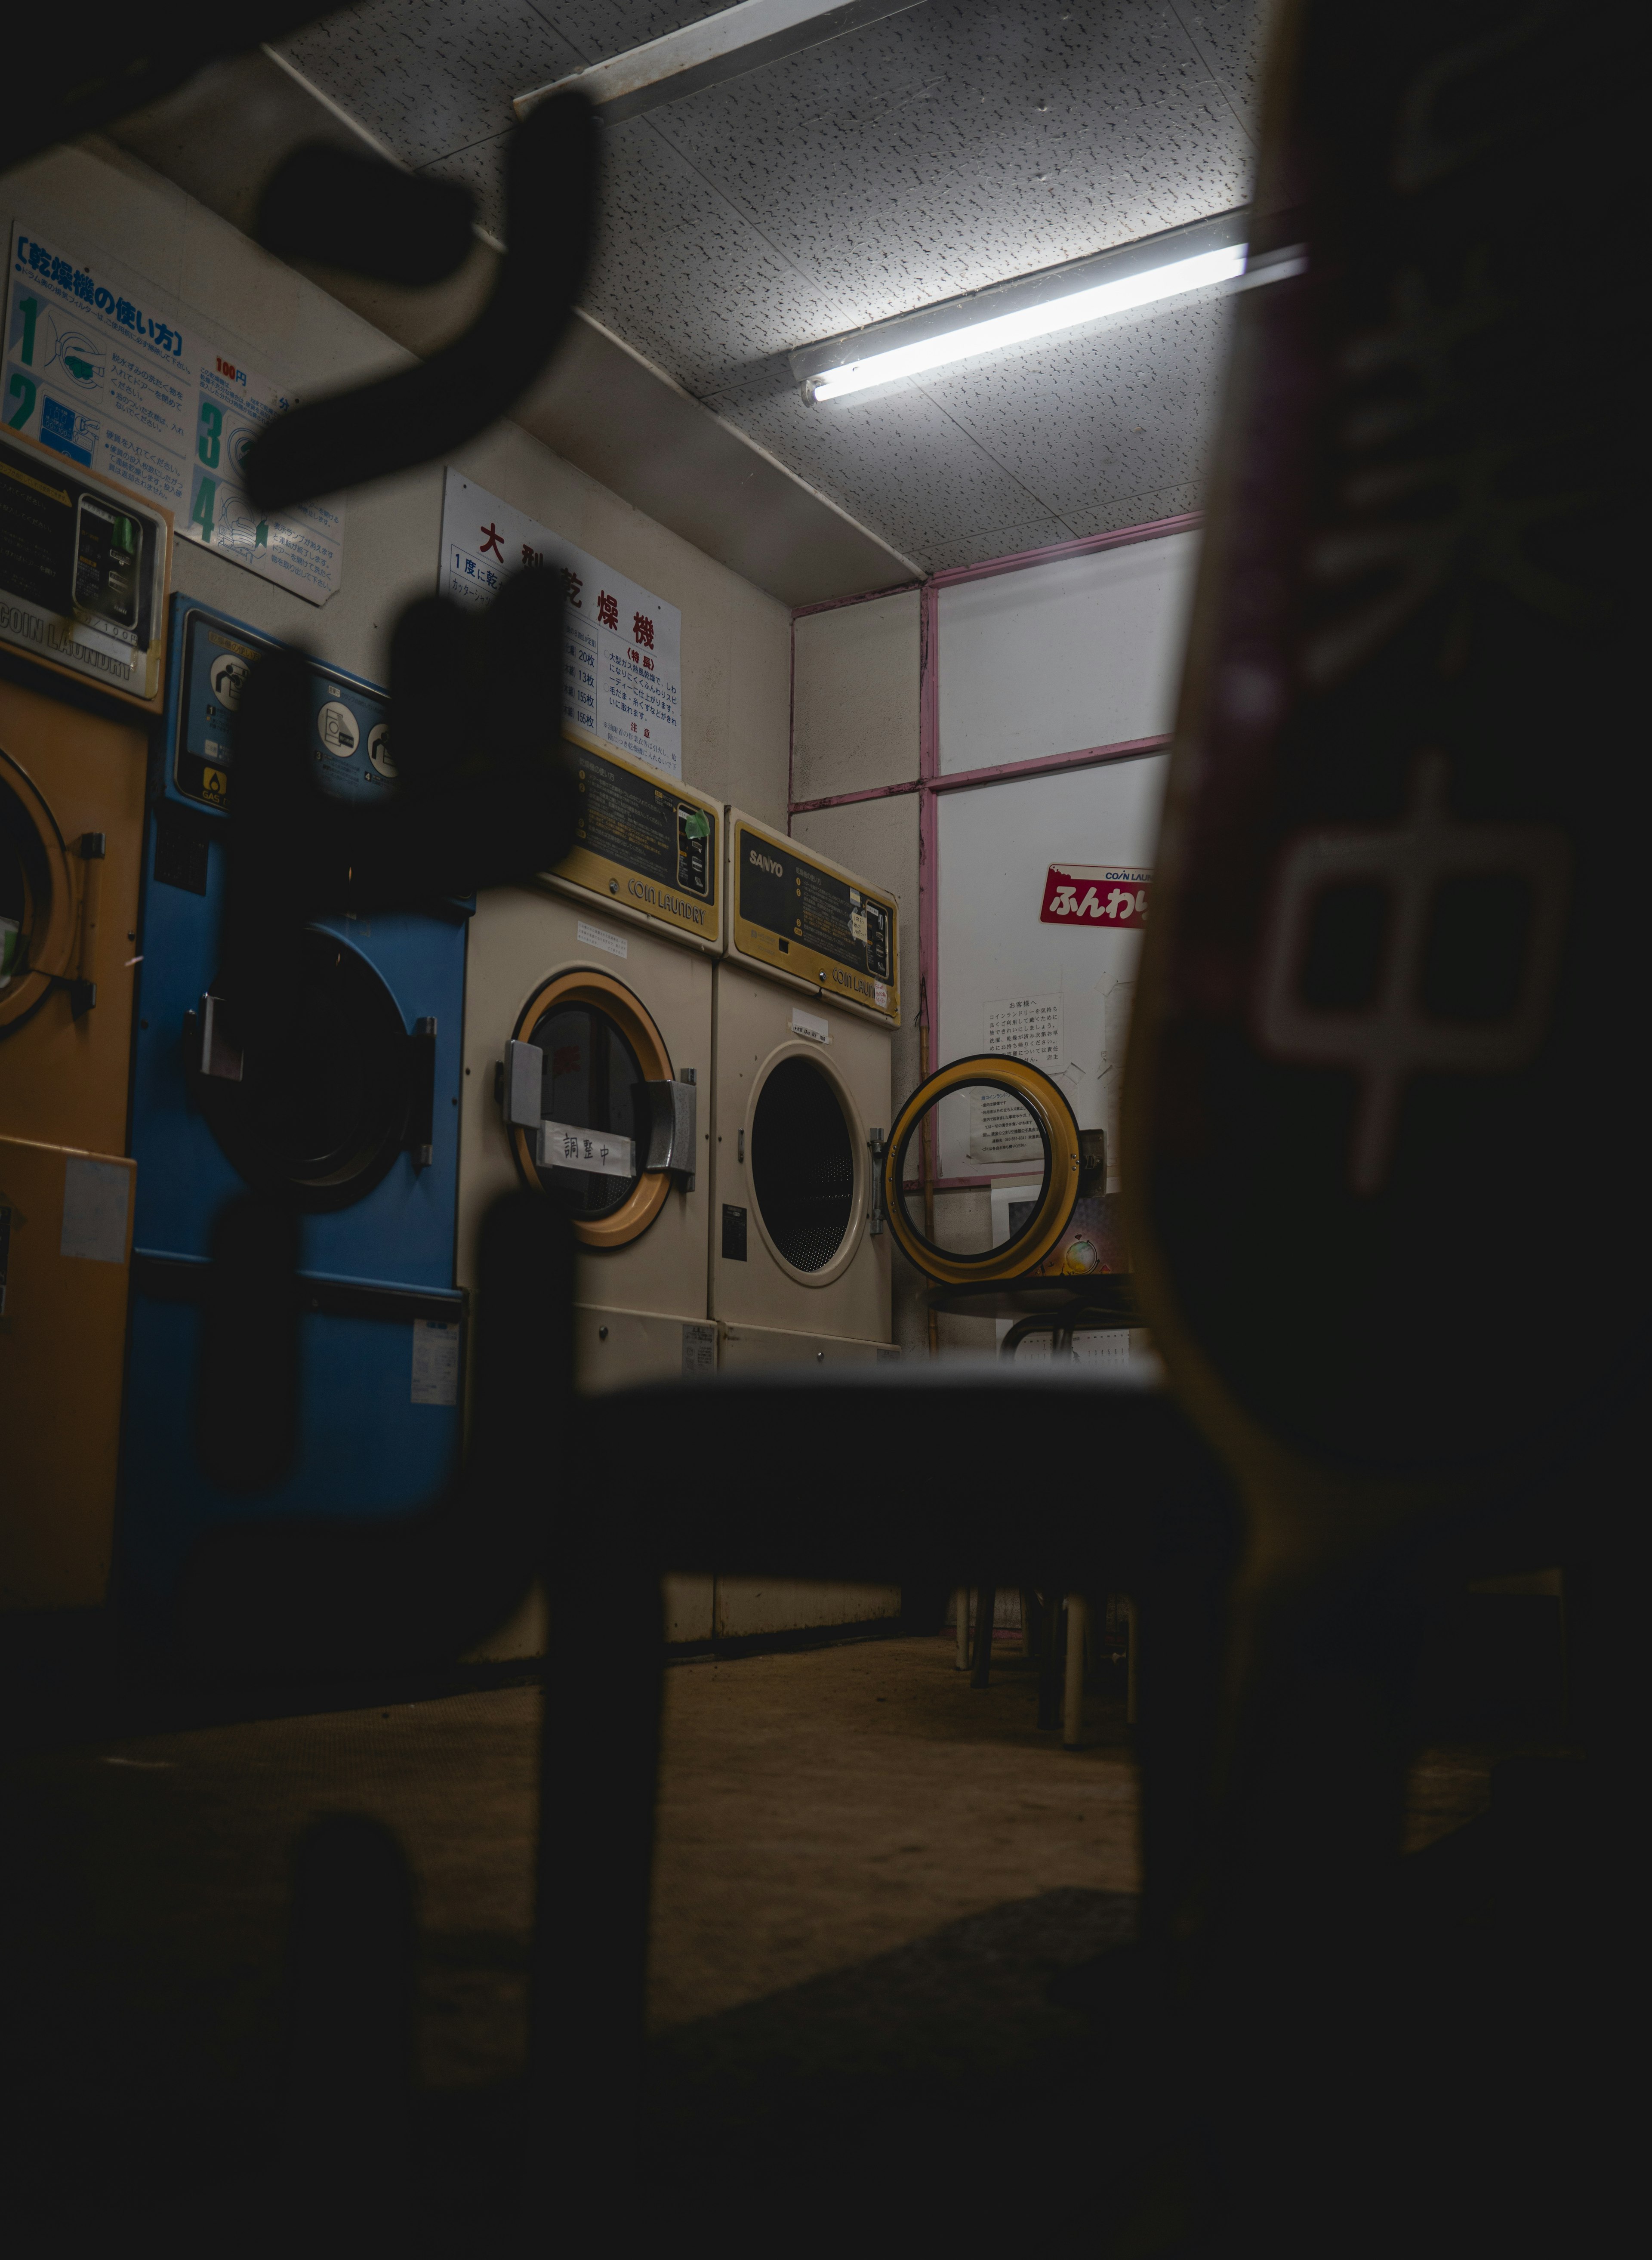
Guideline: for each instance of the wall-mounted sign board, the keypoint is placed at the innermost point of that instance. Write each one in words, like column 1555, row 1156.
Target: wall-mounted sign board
column 812, row 921
column 102, row 368
column 622, row 655
column 83, row 573
column 645, row 846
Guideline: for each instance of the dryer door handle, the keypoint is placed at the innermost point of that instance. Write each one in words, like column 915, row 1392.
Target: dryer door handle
column 670, row 1127
column 522, row 1086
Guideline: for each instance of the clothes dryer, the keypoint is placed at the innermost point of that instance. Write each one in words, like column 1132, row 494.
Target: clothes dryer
column 356, row 1127
column 588, row 1034
column 71, row 845
column 65, row 1241
column 588, row 1051
column 806, row 999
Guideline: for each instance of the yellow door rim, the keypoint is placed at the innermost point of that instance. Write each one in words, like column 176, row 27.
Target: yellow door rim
column 1058, row 1128
column 582, row 985
column 51, row 937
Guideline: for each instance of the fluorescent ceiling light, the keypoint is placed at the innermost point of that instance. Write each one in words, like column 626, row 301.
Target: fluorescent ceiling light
column 718, row 47
column 1133, row 275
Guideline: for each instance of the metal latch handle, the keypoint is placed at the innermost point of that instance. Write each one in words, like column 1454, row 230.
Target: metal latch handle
column 670, row 1111
column 874, row 1142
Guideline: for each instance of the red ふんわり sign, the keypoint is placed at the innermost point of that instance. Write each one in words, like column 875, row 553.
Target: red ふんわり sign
column 1112, row 895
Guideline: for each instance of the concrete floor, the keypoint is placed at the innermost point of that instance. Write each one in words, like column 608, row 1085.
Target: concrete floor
column 840, row 1829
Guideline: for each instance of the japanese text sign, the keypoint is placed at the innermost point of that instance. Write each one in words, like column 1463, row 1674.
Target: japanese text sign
column 622, row 671
column 1110, row 896
column 100, row 368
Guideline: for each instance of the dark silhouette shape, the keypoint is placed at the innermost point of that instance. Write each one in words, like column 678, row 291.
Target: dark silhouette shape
column 266, row 896
column 345, row 208
column 1393, row 961
column 247, row 1401
column 346, row 2074
column 486, row 798
column 129, row 62
column 350, row 439
column 981, row 1656
column 298, row 1597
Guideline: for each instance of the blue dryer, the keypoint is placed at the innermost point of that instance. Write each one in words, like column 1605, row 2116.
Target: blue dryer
column 359, row 1131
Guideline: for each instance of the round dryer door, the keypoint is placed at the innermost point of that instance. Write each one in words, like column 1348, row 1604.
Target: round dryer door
column 808, row 1185
column 41, row 892
column 1006, row 1116
column 321, row 1116
column 598, row 1044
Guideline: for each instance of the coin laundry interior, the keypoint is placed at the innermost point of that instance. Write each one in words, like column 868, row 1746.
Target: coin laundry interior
column 844, row 386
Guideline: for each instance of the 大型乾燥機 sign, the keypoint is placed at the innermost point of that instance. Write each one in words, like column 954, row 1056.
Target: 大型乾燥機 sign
column 622, row 646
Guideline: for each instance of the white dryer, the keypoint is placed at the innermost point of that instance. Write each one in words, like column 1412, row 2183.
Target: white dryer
column 807, row 997
column 588, row 1055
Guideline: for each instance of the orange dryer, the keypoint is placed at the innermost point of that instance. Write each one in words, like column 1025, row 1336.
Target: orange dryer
column 71, row 841
column 65, row 1259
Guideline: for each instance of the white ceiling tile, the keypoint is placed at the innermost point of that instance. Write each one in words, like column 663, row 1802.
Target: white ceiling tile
column 927, row 154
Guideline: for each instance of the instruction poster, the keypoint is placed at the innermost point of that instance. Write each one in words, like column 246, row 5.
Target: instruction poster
column 1026, row 1028
column 622, row 655
column 100, row 368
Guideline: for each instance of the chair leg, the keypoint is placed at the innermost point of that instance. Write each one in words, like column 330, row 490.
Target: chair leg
column 598, row 1764
column 1072, row 1690
column 1050, row 1674
column 986, row 1608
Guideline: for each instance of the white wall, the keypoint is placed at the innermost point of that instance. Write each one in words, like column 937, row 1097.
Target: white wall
column 1052, row 659
column 736, row 641
column 1082, row 651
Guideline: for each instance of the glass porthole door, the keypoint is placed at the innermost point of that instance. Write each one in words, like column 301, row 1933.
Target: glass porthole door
column 320, row 1117
column 803, row 1166
column 1000, row 1111
column 585, row 1078
column 40, row 927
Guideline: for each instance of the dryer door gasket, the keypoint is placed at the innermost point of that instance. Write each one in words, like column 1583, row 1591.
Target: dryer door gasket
column 321, row 1118
column 1015, row 1121
column 41, row 891
column 600, row 1045
column 804, row 1168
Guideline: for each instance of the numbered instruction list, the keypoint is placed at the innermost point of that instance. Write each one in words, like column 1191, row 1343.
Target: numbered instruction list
column 100, row 368
column 622, row 652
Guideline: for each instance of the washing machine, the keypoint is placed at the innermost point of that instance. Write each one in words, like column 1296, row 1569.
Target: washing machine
column 355, row 1125
column 71, row 845
column 588, row 1053
column 65, row 1243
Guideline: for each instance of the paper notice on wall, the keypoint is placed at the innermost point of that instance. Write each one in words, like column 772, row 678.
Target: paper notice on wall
column 1116, row 1006
column 102, row 368
column 1027, row 1028
column 622, row 653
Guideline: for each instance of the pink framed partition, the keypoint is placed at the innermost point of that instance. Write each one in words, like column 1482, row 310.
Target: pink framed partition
column 930, row 783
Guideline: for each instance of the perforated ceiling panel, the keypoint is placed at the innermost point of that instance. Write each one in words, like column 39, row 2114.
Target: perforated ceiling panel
column 946, row 147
